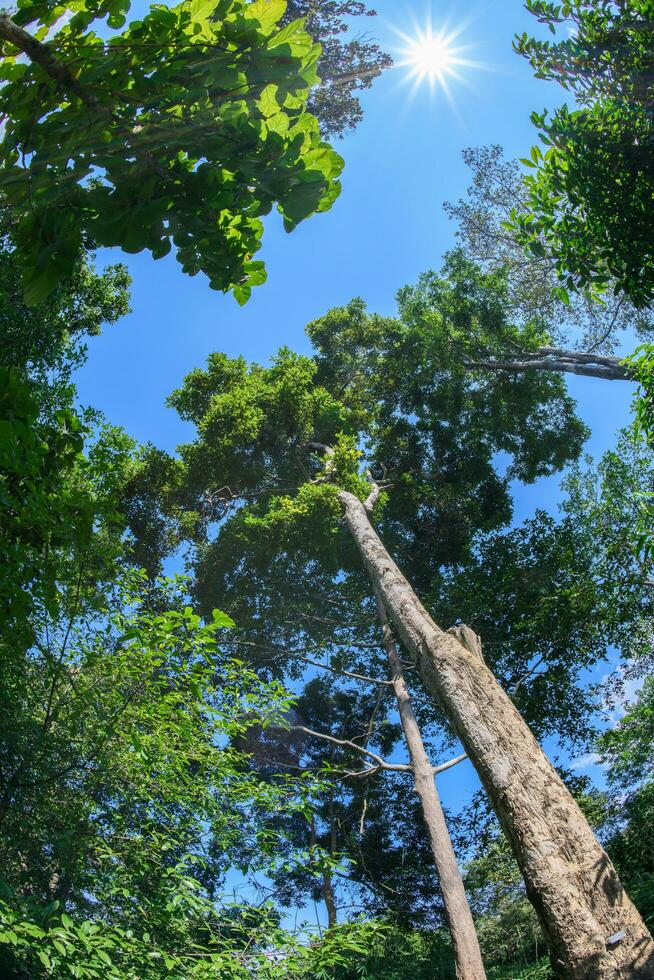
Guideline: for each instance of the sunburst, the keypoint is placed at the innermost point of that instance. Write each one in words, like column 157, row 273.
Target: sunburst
column 436, row 56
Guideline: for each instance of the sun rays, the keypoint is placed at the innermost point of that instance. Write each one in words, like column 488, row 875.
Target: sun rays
column 436, row 56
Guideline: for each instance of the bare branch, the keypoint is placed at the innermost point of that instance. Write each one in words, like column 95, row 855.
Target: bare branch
column 344, row 673
column 450, row 764
column 345, row 743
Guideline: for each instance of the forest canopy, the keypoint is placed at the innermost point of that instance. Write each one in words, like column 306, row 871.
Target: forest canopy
column 354, row 677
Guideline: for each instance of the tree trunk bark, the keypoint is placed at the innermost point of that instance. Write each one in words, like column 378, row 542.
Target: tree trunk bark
column 327, row 886
column 329, row 899
column 467, row 955
column 594, row 931
column 562, row 361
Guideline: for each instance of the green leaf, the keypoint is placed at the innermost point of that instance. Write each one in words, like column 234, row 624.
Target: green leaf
column 267, row 12
column 45, row 959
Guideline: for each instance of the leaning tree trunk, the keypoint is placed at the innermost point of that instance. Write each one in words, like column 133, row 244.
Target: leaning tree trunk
column 467, row 955
column 562, row 361
column 592, row 927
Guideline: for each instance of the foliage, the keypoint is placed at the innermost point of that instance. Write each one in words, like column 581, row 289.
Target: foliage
column 609, row 505
column 398, row 387
column 538, row 599
column 57, row 502
column 123, row 805
column 254, row 494
column 400, row 954
column 534, row 971
column 45, row 340
column 627, row 748
column 641, row 367
column 630, row 847
column 60, row 467
column 183, row 130
column 534, row 295
column 353, row 63
column 590, row 198
column 507, row 926
column 626, row 751
column 246, row 942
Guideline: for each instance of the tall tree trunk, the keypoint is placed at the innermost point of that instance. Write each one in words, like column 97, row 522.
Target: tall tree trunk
column 563, row 361
column 467, row 955
column 594, row 931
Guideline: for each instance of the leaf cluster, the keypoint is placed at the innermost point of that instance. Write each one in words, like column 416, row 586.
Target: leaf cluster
column 590, row 197
column 183, row 130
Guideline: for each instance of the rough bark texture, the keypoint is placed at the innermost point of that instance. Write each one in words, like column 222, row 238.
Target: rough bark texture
column 467, row 955
column 592, row 927
column 563, row 361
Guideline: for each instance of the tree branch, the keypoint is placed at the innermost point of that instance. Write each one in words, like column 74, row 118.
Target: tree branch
column 41, row 55
column 563, row 362
column 345, row 743
column 449, row 765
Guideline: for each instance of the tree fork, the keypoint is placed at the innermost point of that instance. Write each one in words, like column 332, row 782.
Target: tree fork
column 465, row 945
column 594, row 931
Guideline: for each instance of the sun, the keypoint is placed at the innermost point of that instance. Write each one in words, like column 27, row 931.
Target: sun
column 436, row 56
column 431, row 56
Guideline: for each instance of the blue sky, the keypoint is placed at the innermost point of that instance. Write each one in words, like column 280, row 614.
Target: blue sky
column 386, row 228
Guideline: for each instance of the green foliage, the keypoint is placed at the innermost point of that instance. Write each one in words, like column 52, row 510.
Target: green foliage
column 395, row 391
column 590, row 199
column 255, row 493
column 534, row 971
column 184, row 131
column 631, row 846
column 609, row 506
column 60, row 527
column 123, row 802
column 399, row 954
column 45, row 340
column 247, row 941
column 628, row 747
column 337, row 106
column 41, row 511
column 535, row 294
column 537, row 596
column 507, row 926
column 641, row 367
column 627, row 752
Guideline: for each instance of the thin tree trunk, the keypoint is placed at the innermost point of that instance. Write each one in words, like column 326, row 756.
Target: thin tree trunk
column 327, row 887
column 562, row 361
column 467, row 955
column 593, row 929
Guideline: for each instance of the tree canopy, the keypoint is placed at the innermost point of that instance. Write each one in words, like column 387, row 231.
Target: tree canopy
column 589, row 200
column 183, row 130
column 239, row 771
